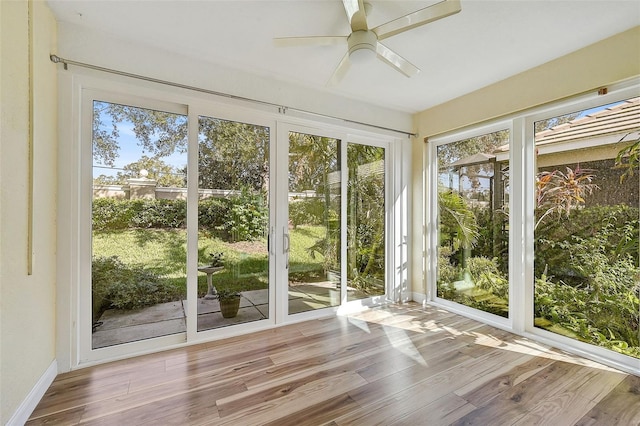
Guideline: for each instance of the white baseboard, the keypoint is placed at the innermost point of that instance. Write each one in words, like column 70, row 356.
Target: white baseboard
column 29, row 404
column 419, row 297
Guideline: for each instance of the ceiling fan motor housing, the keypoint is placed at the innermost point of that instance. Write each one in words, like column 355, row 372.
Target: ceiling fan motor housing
column 362, row 44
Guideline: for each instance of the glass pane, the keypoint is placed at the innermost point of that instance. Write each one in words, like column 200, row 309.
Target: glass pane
column 586, row 230
column 365, row 222
column 314, row 222
column 233, row 218
column 139, row 217
column 473, row 254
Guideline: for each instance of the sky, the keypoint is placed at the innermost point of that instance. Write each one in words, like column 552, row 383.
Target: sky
column 130, row 151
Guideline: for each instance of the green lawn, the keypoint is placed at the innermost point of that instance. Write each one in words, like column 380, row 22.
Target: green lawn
column 163, row 252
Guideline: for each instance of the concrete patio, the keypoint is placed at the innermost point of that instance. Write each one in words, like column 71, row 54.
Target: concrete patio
column 122, row 326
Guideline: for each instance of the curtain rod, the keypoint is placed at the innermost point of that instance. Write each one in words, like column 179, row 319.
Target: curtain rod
column 282, row 109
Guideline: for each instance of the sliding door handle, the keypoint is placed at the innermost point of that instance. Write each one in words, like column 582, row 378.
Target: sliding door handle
column 286, row 245
column 270, row 242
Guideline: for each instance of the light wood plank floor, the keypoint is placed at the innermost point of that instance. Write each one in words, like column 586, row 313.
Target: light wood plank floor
column 397, row 365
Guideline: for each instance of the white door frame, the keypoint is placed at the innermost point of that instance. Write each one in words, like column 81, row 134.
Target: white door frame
column 77, row 90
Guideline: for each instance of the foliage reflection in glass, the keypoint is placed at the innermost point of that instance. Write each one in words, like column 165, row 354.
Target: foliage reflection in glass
column 233, row 218
column 314, row 217
column 366, row 214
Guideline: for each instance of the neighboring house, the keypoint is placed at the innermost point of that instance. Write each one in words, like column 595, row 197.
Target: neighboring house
column 597, row 136
column 592, row 143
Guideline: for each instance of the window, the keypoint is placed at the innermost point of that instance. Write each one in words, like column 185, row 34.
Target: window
column 233, row 222
column 586, row 226
column 177, row 206
column 366, row 217
column 539, row 224
column 139, row 213
column 472, row 206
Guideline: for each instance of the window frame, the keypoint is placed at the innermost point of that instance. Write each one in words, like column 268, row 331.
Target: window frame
column 74, row 206
column 522, row 166
column 433, row 221
column 615, row 93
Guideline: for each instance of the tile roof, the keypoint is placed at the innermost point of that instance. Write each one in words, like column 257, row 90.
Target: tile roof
column 621, row 118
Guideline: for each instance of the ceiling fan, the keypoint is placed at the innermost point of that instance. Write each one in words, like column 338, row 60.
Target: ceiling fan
column 364, row 42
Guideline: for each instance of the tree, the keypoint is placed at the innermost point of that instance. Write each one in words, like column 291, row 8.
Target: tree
column 628, row 159
column 311, row 160
column 457, row 221
column 164, row 174
column 157, row 132
column 105, row 144
column 487, row 144
column 233, row 155
column 549, row 123
column 107, row 180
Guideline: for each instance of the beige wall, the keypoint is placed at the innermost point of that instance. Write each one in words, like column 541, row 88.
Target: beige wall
column 608, row 61
column 27, row 302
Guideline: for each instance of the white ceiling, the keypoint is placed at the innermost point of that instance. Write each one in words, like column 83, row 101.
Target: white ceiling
column 486, row 42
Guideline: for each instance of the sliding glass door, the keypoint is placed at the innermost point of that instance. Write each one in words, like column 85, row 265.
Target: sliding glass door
column 366, row 221
column 335, row 239
column 233, row 223
column 179, row 225
column 313, row 238
column 138, row 222
column 192, row 231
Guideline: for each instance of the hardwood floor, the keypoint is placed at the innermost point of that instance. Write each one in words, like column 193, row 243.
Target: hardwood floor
column 398, row 365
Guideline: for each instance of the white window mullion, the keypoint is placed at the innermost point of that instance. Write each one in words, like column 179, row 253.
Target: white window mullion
column 395, row 228
column 344, row 178
column 402, row 166
column 518, row 173
column 192, row 226
column 281, row 168
column 430, row 222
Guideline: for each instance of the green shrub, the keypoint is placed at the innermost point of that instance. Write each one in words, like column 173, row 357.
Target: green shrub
column 486, row 275
column 111, row 213
column 447, row 273
column 308, row 211
column 212, row 213
column 618, row 227
column 600, row 303
column 239, row 218
column 608, row 319
column 121, row 286
column 247, row 218
column 159, row 213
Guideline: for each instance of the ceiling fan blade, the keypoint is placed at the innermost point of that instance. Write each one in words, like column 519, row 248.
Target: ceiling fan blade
column 356, row 14
column 309, row 41
column 418, row 18
column 396, row 61
column 340, row 72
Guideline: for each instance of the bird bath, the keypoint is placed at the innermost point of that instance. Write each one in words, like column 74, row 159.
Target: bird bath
column 210, row 270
